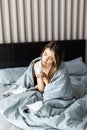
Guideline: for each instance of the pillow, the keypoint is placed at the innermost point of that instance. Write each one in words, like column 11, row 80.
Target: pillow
column 10, row 75
column 75, row 60
column 76, row 67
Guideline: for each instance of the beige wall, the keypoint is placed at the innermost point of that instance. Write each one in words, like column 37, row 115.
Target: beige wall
column 42, row 20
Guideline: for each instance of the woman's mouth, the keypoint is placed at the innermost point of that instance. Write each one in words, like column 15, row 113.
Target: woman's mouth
column 43, row 62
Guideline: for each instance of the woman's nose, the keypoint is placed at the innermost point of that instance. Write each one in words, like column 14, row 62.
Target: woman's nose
column 46, row 58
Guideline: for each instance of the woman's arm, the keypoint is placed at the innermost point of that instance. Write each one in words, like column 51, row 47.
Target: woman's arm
column 40, row 83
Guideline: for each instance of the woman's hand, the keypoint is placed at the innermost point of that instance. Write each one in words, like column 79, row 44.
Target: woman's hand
column 43, row 77
column 42, row 80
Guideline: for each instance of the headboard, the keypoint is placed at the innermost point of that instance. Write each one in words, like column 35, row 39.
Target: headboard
column 20, row 54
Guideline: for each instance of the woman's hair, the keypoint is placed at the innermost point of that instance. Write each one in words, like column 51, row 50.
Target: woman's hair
column 58, row 54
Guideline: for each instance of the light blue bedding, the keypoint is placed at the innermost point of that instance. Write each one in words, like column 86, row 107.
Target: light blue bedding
column 59, row 110
column 10, row 75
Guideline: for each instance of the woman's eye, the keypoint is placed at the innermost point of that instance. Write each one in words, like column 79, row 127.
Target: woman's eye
column 50, row 58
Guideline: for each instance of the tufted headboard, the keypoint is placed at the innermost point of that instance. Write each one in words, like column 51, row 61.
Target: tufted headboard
column 20, row 54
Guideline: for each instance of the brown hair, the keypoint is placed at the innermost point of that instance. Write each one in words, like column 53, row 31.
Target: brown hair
column 58, row 54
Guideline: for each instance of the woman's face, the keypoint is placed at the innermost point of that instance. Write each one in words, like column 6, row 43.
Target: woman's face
column 48, row 57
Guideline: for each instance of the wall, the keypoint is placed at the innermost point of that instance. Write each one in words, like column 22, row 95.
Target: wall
column 41, row 20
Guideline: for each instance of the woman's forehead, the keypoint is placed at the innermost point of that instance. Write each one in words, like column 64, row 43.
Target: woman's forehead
column 49, row 52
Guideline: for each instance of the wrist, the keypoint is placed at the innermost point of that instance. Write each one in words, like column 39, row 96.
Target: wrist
column 46, row 82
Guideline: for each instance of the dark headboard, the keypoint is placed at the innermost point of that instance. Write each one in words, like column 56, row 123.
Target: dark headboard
column 20, row 54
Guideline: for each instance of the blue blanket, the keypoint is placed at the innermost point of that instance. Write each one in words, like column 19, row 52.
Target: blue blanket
column 54, row 109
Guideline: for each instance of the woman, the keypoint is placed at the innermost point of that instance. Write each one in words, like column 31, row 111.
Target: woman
column 51, row 58
column 44, row 90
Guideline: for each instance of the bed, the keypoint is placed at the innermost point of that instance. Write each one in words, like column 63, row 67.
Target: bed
column 14, row 61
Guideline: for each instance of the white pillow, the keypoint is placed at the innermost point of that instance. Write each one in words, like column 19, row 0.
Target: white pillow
column 10, row 75
column 76, row 67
